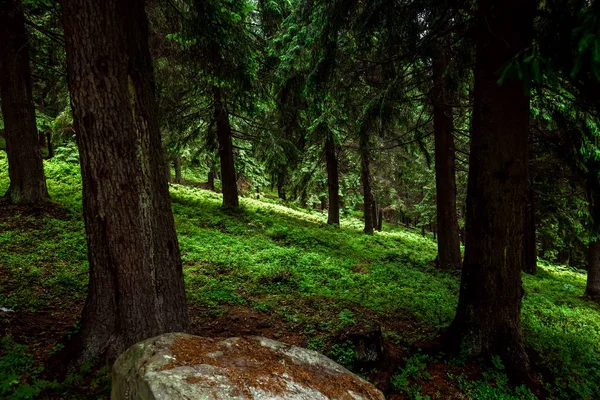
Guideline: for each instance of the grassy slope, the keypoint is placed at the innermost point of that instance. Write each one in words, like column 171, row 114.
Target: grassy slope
column 274, row 258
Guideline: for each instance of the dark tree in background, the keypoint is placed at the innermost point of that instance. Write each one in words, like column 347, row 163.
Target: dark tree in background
column 445, row 178
column 136, row 287
column 370, row 210
column 333, row 179
column 228, row 177
column 25, row 166
column 488, row 318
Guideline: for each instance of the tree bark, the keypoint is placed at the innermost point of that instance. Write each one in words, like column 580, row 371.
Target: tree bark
column 488, row 317
column 333, row 185
column 445, row 178
column 136, row 287
column 365, row 175
column 593, row 278
column 25, row 165
column 593, row 256
column 228, row 179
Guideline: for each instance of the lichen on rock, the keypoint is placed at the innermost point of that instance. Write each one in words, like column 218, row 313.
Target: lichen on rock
column 181, row 366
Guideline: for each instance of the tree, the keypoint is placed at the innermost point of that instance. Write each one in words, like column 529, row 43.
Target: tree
column 370, row 210
column 228, row 177
column 136, row 287
column 488, row 317
column 333, row 183
column 445, row 178
column 593, row 279
column 25, row 166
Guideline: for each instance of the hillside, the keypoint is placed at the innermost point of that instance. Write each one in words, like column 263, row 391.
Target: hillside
column 282, row 272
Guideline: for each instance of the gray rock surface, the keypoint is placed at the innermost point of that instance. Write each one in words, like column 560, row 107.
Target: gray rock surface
column 180, row 366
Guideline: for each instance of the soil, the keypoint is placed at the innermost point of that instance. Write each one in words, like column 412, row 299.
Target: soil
column 43, row 329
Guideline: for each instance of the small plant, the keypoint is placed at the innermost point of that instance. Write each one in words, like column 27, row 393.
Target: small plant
column 344, row 353
column 19, row 376
column 416, row 368
column 317, row 343
column 346, row 318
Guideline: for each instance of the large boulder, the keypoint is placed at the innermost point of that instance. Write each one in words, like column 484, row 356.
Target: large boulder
column 180, row 366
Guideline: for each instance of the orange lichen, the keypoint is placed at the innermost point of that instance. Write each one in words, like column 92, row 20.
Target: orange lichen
column 247, row 364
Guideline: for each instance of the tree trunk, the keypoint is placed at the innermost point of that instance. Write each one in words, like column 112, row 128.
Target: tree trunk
column 211, row 179
column 593, row 256
column 445, row 179
column 228, row 179
column 281, row 185
column 365, row 175
column 25, row 166
column 177, row 162
column 488, row 317
column 333, row 184
column 50, row 146
column 593, row 278
column 136, row 287
column 530, row 265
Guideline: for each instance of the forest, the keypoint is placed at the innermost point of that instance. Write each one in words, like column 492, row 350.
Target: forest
column 420, row 179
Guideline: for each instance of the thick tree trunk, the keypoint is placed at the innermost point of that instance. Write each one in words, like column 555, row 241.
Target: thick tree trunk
column 25, row 166
column 445, row 179
column 333, row 185
column 177, row 163
column 530, row 265
column 365, row 175
column 593, row 256
column 136, row 287
column 228, row 179
column 488, row 318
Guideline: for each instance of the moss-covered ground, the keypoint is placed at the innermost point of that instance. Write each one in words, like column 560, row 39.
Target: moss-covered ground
column 275, row 270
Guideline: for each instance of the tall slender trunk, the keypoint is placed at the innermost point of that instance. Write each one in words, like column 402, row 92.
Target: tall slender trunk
column 445, row 178
column 211, row 179
column 365, row 175
column 530, row 264
column 488, row 317
column 50, row 146
column 281, row 178
column 25, row 166
column 333, row 185
column 228, row 179
column 136, row 287
column 178, row 176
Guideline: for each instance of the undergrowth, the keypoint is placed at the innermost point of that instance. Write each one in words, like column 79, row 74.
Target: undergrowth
column 273, row 258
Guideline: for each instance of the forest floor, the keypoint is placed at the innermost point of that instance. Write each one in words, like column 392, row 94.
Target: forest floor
column 282, row 273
